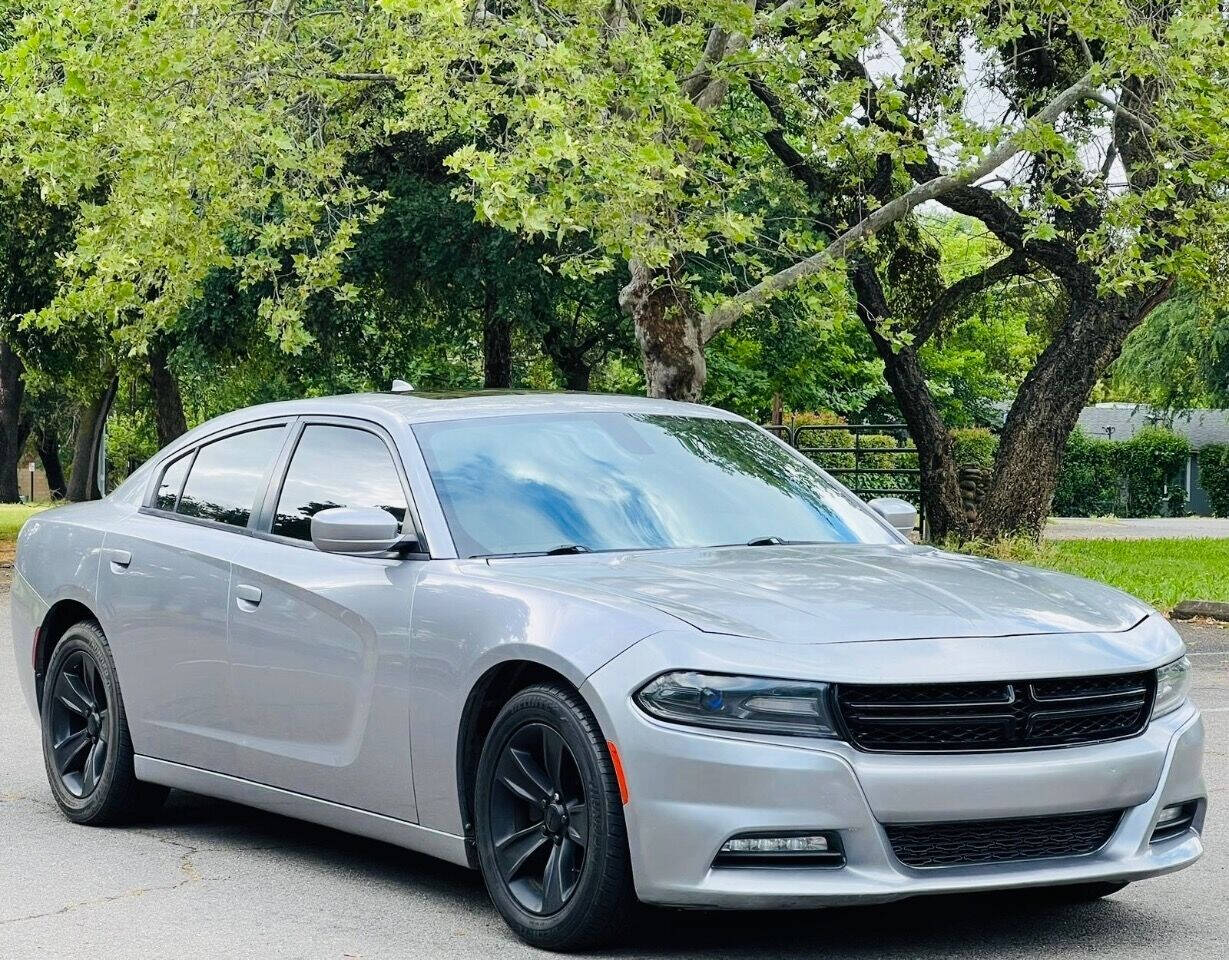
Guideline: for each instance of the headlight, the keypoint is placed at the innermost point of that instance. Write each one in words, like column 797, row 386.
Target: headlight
column 1173, row 685
column 793, row 707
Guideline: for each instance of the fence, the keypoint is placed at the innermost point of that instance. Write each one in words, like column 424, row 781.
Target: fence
column 858, row 456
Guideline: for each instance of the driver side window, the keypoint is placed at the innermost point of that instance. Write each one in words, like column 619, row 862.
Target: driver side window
column 335, row 466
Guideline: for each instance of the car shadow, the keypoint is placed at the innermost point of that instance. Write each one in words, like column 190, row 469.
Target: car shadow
column 975, row 926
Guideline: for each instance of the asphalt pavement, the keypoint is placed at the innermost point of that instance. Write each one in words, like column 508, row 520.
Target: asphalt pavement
column 1136, row 528
column 209, row 879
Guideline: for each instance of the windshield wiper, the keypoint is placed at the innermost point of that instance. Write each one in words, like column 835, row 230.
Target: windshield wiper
column 568, row 548
column 777, row 542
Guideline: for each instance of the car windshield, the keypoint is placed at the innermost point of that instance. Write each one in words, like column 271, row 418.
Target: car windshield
column 573, row 483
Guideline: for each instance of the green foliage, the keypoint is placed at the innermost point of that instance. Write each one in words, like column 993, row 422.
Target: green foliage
column 1214, row 476
column 1160, row 572
column 1149, row 462
column 1090, row 484
column 190, row 136
column 812, row 362
column 1134, row 478
column 975, row 447
column 1178, row 359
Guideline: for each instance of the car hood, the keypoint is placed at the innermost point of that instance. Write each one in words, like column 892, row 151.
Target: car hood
column 839, row 593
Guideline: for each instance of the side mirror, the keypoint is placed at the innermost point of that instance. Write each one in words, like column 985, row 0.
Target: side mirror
column 899, row 513
column 355, row 530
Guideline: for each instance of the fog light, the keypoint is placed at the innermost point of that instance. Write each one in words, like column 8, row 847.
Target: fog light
column 781, row 849
column 1170, row 814
column 1175, row 820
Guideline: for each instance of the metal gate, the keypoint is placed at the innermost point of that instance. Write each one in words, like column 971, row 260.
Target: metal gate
column 868, row 469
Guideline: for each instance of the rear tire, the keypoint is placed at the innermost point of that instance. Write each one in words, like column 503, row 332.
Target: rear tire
column 552, row 842
column 87, row 748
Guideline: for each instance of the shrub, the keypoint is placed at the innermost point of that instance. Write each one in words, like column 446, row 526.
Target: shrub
column 1214, row 476
column 1149, row 461
column 824, row 438
column 1089, row 483
column 975, row 447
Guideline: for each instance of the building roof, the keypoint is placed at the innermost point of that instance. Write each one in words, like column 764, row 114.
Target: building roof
column 1123, row 420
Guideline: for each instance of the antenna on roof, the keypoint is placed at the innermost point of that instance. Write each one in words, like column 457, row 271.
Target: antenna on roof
column 400, row 386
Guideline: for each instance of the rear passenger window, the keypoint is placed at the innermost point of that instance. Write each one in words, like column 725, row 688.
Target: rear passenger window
column 171, row 483
column 227, row 475
column 336, row 467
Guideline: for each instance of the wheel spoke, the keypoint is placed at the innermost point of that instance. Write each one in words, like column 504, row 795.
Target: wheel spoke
column 89, row 777
column 102, row 726
column 70, row 691
column 97, row 760
column 89, row 673
column 578, row 823
column 552, row 753
column 559, row 880
column 552, row 881
column 68, row 750
column 514, row 850
column 522, row 775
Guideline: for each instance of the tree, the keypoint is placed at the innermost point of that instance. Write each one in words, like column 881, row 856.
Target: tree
column 730, row 152
column 1177, row 359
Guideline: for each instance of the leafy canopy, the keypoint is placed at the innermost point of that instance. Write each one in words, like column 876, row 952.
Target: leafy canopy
column 192, row 135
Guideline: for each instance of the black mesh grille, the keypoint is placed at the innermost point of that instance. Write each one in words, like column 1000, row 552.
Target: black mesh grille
column 1000, row 841
column 1007, row 715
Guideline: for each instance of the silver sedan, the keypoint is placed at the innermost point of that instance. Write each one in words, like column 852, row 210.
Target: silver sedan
column 604, row 650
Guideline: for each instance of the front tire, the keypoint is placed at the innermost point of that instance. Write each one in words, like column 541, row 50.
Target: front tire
column 552, row 842
column 87, row 749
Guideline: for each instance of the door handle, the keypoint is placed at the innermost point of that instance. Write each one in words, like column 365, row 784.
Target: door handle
column 248, row 596
column 119, row 558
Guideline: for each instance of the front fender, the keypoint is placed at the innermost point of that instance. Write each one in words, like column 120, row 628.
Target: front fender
column 466, row 622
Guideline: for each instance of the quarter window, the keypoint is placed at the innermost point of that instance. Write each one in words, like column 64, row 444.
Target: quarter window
column 227, row 475
column 337, row 467
column 172, row 483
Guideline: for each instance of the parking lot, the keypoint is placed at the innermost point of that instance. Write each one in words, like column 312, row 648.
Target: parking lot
column 210, row 879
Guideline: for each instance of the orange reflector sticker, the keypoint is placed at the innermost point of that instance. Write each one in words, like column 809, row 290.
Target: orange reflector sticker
column 618, row 769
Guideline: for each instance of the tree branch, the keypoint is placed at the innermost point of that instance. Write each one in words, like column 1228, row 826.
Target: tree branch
column 1012, row 265
column 726, row 313
column 1007, row 225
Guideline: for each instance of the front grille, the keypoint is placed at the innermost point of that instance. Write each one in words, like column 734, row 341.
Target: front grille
column 1001, row 841
column 1006, row 715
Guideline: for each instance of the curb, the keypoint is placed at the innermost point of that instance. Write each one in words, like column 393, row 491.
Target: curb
column 1189, row 609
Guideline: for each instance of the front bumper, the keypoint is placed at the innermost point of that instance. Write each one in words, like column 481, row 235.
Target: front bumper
column 690, row 791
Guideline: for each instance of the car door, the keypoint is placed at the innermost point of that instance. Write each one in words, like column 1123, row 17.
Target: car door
column 319, row 642
column 164, row 586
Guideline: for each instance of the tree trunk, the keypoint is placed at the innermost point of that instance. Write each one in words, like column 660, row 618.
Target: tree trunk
column 12, row 390
column 668, row 331
column 91, row 421
column 936, row 454
column 47, row 442
column 576, row 375
column 496, row 342
column 1047, row 408
column 168, row 402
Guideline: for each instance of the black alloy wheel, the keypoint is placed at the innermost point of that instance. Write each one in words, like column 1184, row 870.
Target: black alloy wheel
column 539, row 819
column 80, row 721
column 548, row 822
column 87, row 747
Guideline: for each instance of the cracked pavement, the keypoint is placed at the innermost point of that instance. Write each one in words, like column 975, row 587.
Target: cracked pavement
column 211, row 879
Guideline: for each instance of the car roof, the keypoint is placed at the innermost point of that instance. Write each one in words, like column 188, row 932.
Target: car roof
column 415, row 407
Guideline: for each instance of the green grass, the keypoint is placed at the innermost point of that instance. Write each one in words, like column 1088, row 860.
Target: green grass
column 12, row 516
column 1160, row 572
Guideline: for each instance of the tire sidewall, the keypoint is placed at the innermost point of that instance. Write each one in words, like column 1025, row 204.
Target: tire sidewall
column 83, row 637
column 539, row 705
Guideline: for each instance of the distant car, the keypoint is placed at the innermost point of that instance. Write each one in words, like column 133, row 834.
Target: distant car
column 601, row 649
